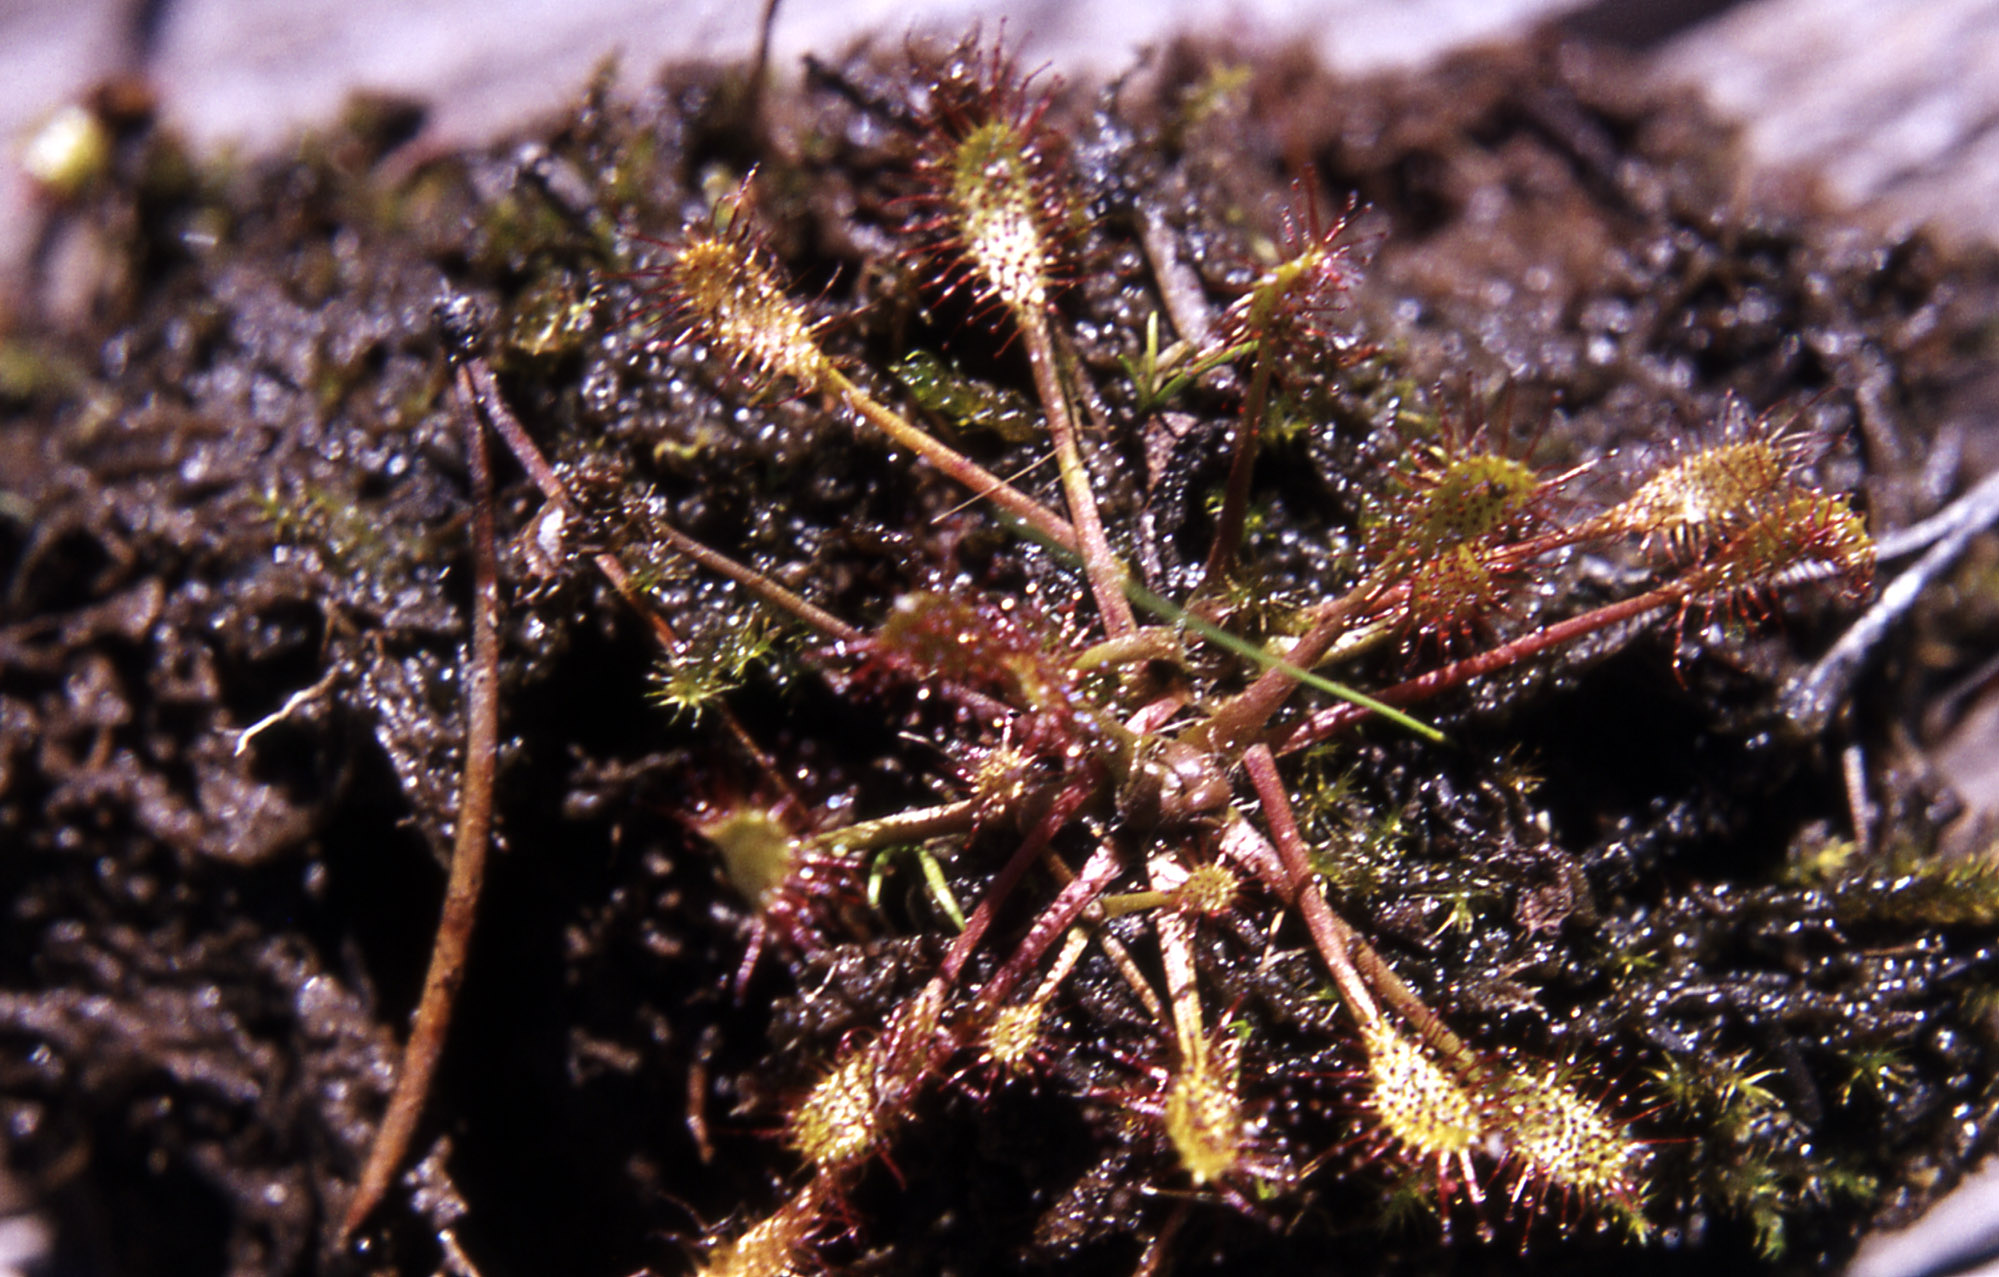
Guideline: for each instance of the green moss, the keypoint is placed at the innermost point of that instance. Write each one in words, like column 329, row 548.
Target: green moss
column 966, row 402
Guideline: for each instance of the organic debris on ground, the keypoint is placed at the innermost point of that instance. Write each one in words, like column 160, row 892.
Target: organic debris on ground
column 946, row 895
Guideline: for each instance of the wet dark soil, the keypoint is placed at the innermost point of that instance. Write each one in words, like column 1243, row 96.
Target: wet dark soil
column 242, row 479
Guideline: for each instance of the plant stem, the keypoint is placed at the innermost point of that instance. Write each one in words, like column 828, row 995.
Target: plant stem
column 1100, row 565
column 1073, row 944
column 982, row 482
column 1151, row 643
column 1134, row 902
column 1333, row 938
column 1176, row 955
column 1060, row 810
column 1060, row 914
column 1330, row 720
column 468, row 855
column 758, row 584
column 1242, row 647
column 1119, row 956
column 1242, row 467
column 1347, row 954
column 1245, row 713
column 903, row 827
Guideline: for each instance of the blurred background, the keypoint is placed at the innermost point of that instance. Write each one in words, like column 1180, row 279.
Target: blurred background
column 1894, row 106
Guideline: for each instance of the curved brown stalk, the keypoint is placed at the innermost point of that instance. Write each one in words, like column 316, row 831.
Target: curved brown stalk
column 468, row 853
column 904, row 827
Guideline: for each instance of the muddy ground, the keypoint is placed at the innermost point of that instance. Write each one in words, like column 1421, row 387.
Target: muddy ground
column 243, row 478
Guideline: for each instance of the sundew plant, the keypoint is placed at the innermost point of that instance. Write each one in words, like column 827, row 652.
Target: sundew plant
column 1225, row 672
column 1217, row 842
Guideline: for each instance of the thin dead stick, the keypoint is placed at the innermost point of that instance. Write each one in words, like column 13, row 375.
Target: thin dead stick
column 1134, row 979
column 1810, row 699
column 468, row 854
column 1180, row 288
column 1159, row 1250
column 293, row 703
column 760, row 65
column 1073, row 944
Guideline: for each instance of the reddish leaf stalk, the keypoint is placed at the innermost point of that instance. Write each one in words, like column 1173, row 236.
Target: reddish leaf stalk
column 1332, row 719
column 1334, row 939
column 1348, row 955
column 1245, row 713
column 1060, row 914
column 1242, row 468
column 1100, row 565
column 1059, row 812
